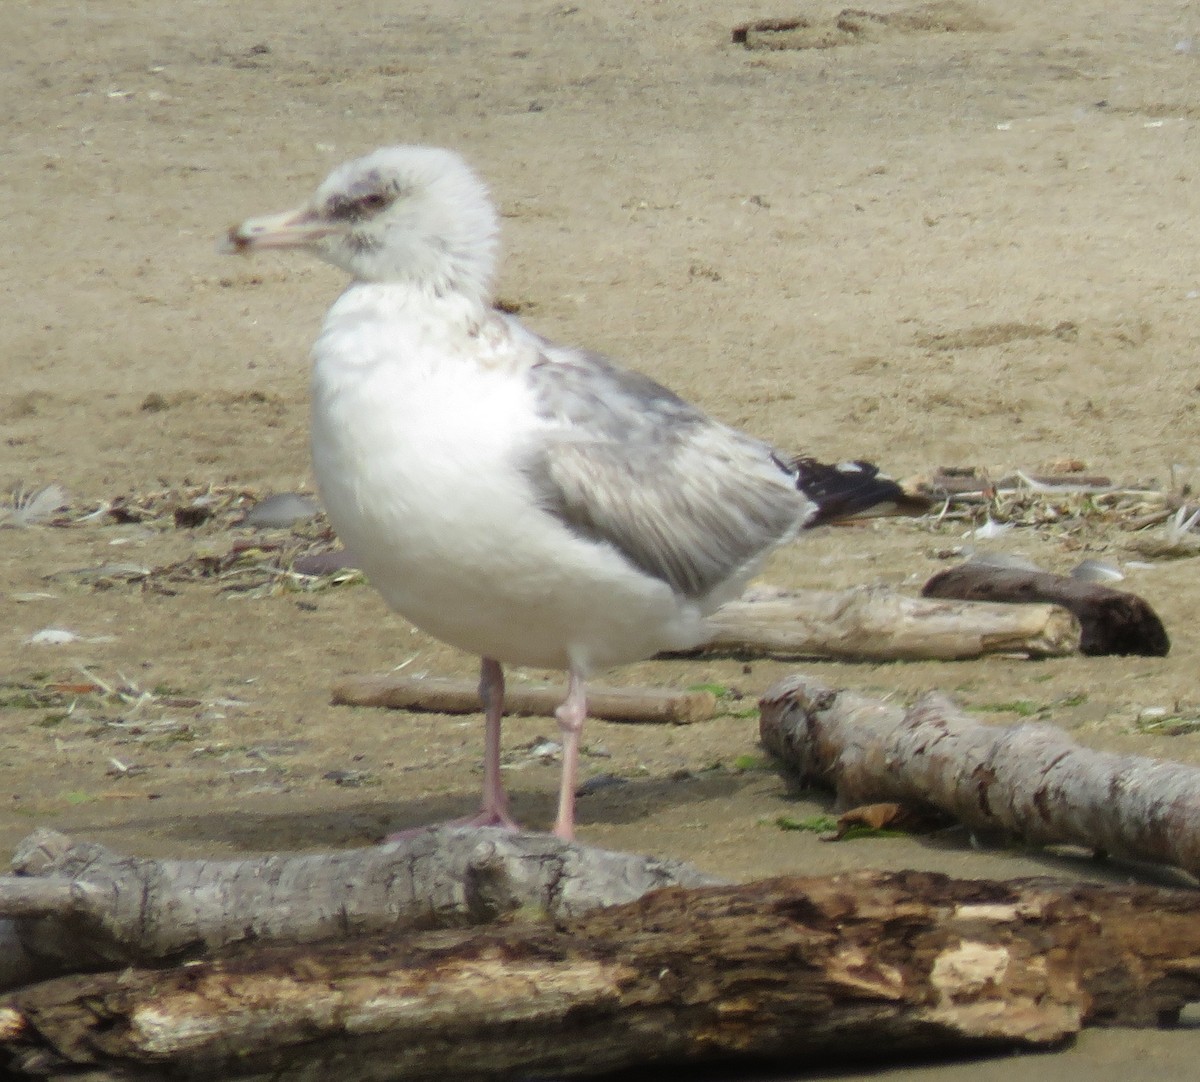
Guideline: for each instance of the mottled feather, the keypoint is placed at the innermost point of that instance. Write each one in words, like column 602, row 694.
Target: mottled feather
column 627, row 463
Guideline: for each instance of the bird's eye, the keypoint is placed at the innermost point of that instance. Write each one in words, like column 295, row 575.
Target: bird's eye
column 353, row 210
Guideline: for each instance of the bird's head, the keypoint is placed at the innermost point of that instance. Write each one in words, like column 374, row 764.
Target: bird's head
column 408, row 214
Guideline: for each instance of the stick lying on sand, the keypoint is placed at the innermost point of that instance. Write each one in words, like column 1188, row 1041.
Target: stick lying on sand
column 439, row 696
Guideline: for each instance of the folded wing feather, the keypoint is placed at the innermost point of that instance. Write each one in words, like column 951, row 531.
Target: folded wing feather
column 625, row 462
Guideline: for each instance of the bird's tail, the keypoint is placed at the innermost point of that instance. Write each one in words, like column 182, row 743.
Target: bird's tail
column 852, row 490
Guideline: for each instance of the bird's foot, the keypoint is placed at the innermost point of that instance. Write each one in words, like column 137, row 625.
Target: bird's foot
column 484, row 818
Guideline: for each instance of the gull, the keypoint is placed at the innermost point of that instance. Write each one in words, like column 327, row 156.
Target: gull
column 530, row 503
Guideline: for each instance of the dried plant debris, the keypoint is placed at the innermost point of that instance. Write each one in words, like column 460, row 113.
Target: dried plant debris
column 187, row 507
column 257, row 567
column 1063, row 502
column 254, row 567
column 887, row 820
column 252, row 543
column 93, row 706
column 280, row 542
column 208, row 508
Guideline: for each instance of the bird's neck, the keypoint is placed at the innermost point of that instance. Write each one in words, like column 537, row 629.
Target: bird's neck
column 390, row 311
column 432, row 267
column 414, row 300
column 390, row 325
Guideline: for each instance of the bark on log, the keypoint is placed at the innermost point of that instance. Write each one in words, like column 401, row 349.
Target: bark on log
column 781, row 969
column 878, row 624
column 1029, row 781
column 462, row 697
column 1113, row 621
column 76, row 905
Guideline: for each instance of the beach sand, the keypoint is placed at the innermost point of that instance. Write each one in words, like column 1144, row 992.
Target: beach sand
column 953, row 240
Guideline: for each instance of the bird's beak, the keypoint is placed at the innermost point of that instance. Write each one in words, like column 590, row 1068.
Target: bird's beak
column 291, row 229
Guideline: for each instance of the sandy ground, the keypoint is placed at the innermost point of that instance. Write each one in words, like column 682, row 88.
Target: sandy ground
column 926, row 248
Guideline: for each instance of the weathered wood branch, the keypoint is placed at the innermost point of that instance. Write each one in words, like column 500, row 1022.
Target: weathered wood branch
column 781, row 969
column 1029, row 781
column 462, row 697
column 875, row 623
column 76, row 905
column 1112, row 621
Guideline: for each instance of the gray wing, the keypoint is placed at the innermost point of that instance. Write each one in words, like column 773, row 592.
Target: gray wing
column 628, row 463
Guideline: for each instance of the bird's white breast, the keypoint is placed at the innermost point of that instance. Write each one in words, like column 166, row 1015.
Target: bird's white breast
column 419, row 424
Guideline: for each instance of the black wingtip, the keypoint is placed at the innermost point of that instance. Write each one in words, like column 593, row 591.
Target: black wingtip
column 852, row 490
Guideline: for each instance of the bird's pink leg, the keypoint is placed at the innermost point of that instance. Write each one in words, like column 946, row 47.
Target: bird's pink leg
column 495, row 802
column 494, row 812
column 571, row 716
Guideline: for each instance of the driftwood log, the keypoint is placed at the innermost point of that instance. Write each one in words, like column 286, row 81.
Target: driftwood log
column 875, row 623
column 1112, row 621
column 79, row 906
column 1029, row 781
column 780, row 969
